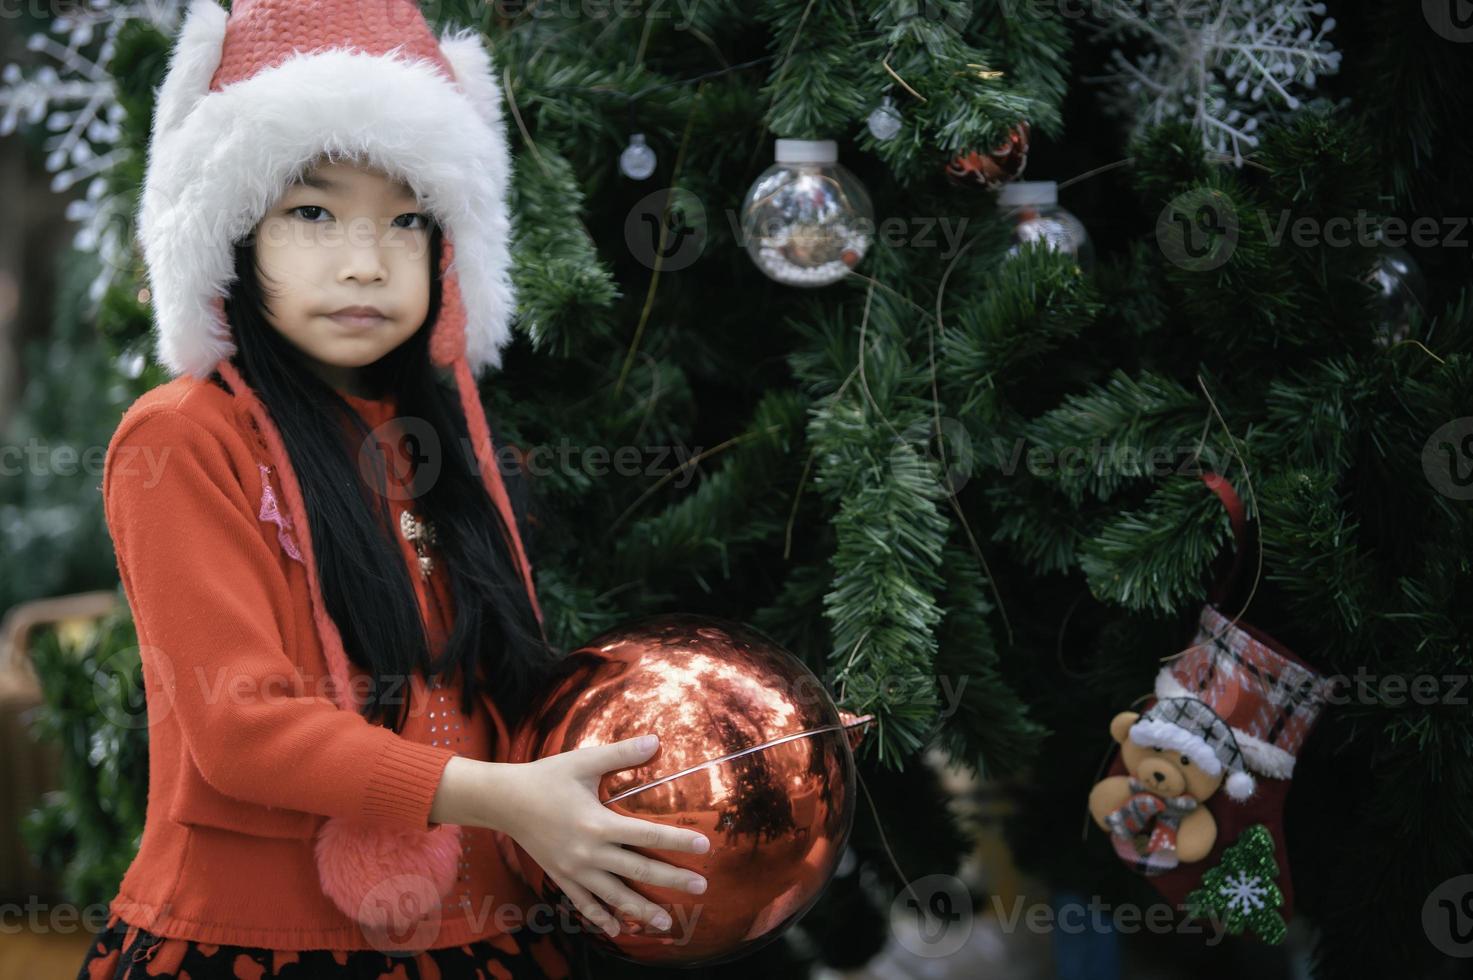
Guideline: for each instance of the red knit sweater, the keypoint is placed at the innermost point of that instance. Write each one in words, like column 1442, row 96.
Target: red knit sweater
column 248, row 755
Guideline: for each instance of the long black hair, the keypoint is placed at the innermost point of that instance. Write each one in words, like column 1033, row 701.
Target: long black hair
column 495, row 639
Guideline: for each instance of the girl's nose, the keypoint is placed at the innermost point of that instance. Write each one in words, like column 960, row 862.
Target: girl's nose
column 363, row 265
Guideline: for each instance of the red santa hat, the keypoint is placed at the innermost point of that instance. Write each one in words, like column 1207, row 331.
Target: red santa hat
column 253, row 97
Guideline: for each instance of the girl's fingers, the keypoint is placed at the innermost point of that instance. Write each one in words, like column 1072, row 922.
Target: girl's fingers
column 592, row 910
column 595, row 760
column 656, row 836
column 626, row 900
column 637, row 867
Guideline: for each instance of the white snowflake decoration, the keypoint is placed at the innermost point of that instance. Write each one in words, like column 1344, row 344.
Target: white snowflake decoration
column 1244, row 892
column 77, row 98
column 1224, row 65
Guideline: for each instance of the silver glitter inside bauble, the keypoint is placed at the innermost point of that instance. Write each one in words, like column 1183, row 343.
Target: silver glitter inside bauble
column 1032, row 209
column 807, row 221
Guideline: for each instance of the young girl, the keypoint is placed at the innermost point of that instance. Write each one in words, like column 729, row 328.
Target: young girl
column 336, row 616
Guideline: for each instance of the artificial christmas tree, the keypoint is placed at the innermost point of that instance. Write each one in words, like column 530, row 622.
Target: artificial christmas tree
column 963, row 486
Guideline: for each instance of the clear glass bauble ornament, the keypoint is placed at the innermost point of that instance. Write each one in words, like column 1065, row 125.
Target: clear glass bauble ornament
column 1032, row 208
column 885, row 121
column 1399, row 290
column 806, row 221
column 637, row 161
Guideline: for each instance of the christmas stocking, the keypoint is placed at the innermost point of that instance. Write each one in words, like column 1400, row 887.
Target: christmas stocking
column 1195, row 794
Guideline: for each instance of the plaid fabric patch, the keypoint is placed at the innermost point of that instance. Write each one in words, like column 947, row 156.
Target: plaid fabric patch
column 1255, row 689
column 1146, row 813
column 1196, row 717
column 1137, row 813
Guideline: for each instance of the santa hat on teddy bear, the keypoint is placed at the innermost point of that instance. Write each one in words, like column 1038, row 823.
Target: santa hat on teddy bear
column 1190, row 726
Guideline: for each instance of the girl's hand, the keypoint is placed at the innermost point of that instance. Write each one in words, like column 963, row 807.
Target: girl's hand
column 560, row 822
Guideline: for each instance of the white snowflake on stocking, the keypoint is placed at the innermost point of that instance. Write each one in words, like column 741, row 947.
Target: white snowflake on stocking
column 76, row 96
column 1244, row 892
column 1223, row 65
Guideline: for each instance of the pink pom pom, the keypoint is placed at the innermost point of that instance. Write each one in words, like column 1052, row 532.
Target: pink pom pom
column 386, row 878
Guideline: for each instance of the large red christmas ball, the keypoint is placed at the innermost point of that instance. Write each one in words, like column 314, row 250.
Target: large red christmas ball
column 753, row 754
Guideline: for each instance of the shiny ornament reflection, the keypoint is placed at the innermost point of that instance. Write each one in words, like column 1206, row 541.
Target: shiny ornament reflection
column 1399, row 294
column 753, row 754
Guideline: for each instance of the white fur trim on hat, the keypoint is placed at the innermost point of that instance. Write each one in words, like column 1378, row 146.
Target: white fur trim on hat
column 196, row 56
column 219, row 160
column 1269, row 760
column 1153, row 733
column 1262, row 758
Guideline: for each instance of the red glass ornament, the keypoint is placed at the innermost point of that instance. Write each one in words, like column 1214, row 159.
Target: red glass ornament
column 995, row 168
column 753, row 754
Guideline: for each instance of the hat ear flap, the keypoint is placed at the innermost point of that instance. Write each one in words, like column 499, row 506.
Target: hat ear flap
column 465, row 49
column 489, row 297
column 192, row 64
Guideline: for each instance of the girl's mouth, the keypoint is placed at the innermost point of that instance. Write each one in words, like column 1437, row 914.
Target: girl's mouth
column 358, row 320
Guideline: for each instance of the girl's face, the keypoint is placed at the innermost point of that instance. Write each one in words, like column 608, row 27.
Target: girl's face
column 346, row 236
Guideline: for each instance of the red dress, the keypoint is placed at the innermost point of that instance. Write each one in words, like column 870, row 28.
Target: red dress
column 531, row 948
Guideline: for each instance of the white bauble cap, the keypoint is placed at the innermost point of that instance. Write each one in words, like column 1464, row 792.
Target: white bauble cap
column 807, row 151
column 1034, row 192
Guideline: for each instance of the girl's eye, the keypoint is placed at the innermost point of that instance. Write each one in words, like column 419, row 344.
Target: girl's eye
column 308, row 207
column 423, row 219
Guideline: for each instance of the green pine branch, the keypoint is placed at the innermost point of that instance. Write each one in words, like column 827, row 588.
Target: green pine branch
column 1156, row 557
column 986, row 723
column 1037, row 302
column 564, row 290
column 701, row 531
column 1127, row 429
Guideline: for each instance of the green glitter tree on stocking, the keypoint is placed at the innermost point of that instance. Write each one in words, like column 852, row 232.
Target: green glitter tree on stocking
column 1240, row 891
